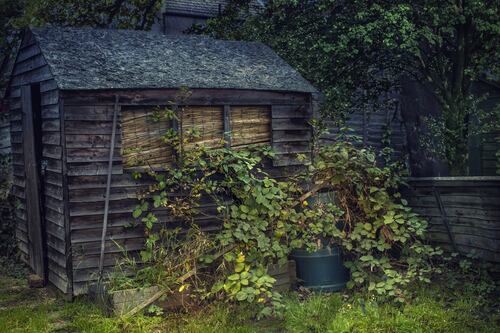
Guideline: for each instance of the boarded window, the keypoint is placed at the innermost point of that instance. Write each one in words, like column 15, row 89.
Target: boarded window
column 142, row 144
column 204, row 125
column 250, row 125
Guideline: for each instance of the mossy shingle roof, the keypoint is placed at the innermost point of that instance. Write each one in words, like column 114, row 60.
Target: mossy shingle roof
column 85, row 58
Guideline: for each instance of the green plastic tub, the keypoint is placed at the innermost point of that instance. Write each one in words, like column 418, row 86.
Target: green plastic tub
column 322, row 270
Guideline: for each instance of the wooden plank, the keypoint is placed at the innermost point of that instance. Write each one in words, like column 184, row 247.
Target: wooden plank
column 50, row 97
column 51, row 138
column 64, row 179
column 50, row 111
column 54, row 152
column 291, row 136
column 87, row 127
column 29, row 64
column 89, row 113
column 227, row 126
column 290, row 124
column 291, row 147
column 199, row 97
column 35, row 223
column 52, row 125
column 91, row 140
column 28, row 52
column 291, row 111
column 48, row 85
column 91, row 155
column 37, row 75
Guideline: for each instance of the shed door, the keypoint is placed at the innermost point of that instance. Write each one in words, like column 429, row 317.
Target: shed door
column 32, row 145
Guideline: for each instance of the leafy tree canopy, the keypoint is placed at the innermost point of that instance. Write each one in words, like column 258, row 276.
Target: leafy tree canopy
column 355, row 51
column 122, row 14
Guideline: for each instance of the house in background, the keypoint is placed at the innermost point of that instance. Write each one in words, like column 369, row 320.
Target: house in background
column 177, row 16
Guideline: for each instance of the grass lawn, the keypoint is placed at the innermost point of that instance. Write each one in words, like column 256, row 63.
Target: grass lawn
column 437, row 308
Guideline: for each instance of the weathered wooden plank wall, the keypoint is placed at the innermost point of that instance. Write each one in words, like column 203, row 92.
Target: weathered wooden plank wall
column 31, row 68
column 377, row 129
column 88, row 122
column 484, row 147
column 470, row 206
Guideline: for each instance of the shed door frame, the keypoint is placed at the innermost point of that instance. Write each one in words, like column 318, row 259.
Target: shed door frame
column 32, row 149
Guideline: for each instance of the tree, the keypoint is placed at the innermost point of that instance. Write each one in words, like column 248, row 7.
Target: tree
column 122, row 14
column 9, row 11
column 354, row 51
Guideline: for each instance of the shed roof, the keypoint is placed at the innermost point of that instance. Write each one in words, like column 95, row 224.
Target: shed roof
column 86, row 58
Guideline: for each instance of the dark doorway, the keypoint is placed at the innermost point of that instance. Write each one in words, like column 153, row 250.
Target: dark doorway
column 32, row 145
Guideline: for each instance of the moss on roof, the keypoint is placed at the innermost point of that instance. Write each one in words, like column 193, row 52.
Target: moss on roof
column 85, row 58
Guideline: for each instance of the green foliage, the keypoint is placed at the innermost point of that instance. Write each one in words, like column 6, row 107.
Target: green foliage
column 356, row 51
column 379, row 232
column 7, row 206
column 18, row 14
column 262, row 219
column 7, row 227
column 437, row 308
column 9, row 10
column 253, row 212
column 121, row 14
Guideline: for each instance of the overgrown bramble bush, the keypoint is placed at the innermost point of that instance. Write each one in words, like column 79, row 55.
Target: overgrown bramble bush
column 381, row 235
column 263, row 219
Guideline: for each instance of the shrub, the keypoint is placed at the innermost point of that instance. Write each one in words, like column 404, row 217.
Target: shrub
column 7, row 220
column 262, row 219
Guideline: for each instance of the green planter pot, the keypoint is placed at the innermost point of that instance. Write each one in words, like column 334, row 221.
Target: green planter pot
column 322, row 270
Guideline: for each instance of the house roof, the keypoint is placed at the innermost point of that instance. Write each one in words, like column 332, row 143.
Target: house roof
column 85, row 58
column 205, row 8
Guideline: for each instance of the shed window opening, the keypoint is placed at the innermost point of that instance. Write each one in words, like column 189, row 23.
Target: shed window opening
column 250, row 125
column 202, row 126
column 143, row 131
column 143, row 144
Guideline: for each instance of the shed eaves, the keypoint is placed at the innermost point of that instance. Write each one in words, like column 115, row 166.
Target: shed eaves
column 86, row 58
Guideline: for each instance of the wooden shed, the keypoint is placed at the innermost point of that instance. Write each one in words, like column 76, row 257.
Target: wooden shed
column 71, row 89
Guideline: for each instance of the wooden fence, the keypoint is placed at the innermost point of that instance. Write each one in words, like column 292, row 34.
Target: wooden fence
column 463, row 212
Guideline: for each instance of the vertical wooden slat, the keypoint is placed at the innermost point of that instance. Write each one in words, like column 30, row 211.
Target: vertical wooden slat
column 67, row 225
column 227, row 126
column 108, row 188
column 33, row 205
column 444, row 218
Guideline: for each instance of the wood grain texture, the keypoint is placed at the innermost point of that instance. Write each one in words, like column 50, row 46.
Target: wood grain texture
column 202, row 125
column 250, row 125
column 471, row 211
column 30, row 68
column 33, row 201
